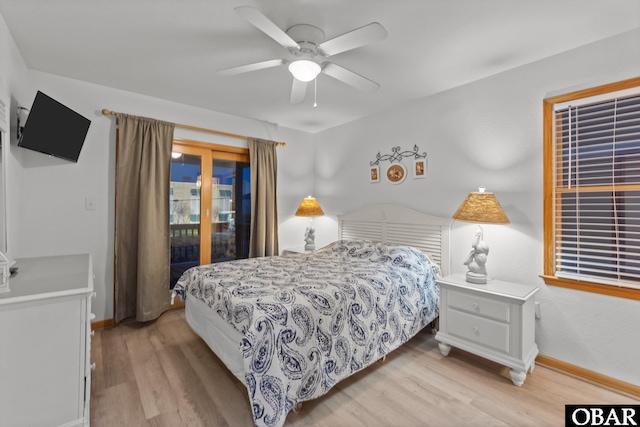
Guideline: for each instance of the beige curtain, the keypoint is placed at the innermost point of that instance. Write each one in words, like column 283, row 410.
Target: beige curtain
column 264, row 210
column 142, row 217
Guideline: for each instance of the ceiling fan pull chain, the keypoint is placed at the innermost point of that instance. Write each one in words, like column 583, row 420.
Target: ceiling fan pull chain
column 315, row 92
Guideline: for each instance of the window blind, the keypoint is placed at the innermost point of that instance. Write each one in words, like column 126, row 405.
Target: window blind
column 597, row 190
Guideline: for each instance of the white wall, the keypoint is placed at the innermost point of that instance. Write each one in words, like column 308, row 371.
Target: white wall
column 53, row 215
column 489, row 133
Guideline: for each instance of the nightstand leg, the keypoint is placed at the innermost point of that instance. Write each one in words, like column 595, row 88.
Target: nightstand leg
column 518, row 377
column 444, row 348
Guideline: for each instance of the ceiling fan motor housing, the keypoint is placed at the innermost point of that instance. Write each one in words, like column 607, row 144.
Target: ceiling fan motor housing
column 308, row 37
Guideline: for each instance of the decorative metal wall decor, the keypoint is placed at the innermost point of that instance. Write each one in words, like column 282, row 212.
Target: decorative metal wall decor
column 396, row 172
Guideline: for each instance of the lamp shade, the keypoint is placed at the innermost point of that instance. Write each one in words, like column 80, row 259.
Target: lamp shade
column 309, row 207
column 304, row 70
column 481, row 207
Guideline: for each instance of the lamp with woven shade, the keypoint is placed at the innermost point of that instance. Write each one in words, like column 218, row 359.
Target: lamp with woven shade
column 309, row 207
column 479, row 207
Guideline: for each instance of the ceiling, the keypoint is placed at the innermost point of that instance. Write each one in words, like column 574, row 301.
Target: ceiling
column 172, row 49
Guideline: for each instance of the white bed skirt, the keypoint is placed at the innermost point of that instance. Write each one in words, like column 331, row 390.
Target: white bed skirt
column 219, row 335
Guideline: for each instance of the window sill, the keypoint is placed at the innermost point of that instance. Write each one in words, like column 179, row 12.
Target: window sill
column 616, row 291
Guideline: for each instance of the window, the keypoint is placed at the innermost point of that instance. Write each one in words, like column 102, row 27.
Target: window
column 592, row 190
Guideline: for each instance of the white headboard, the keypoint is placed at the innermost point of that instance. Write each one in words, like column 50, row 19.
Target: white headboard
column 399, row 225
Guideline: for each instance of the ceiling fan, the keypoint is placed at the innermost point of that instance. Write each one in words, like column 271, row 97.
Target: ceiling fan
column 306, row 42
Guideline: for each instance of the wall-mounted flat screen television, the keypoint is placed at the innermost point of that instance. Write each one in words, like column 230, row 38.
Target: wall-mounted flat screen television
column 54, row 129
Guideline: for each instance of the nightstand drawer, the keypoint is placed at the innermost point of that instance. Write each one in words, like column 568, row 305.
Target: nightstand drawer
column 297, row 250
column 479, row 330
column 476, row 305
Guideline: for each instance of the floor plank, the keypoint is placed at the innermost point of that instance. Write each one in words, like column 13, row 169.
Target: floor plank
column 155, row 391
column 161, row 374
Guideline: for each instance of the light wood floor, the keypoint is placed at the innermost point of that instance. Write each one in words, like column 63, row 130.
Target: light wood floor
column 162, row 374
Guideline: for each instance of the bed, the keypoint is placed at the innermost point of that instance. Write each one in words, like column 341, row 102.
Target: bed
column 290, row 327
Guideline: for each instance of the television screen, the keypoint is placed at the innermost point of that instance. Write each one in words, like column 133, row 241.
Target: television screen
column 54, row 129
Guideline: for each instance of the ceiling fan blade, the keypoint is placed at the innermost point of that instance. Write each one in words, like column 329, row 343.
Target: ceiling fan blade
column 298, row 91
column 264, row 24
column 359, row 37
column 349, row 77
column 251, row 67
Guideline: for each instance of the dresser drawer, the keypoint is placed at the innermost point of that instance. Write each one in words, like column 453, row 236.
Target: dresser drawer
column 480, row 306
column 479, row 330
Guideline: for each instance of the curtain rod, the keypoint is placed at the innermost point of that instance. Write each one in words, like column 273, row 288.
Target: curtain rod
column 217, row 132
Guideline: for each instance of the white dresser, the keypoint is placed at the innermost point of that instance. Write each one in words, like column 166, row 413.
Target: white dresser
column 495, row 321
column 45, row 343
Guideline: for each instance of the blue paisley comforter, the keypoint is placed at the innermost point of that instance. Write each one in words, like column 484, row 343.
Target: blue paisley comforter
column 311, row 320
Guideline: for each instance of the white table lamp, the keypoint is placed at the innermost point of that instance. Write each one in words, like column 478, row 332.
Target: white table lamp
column 309, row 207
column 479, row 207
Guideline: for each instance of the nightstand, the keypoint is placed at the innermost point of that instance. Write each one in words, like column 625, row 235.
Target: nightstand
column 296, row 250
column 495, row 321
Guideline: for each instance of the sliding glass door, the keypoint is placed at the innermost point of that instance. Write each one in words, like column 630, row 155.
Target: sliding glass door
column 184, row 213
column 210, row 205
column 231, row 210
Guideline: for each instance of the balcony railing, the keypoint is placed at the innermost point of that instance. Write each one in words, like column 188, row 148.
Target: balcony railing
column 185, row 243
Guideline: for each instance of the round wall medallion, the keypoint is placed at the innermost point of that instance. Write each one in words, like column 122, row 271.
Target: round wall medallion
column 396, row 173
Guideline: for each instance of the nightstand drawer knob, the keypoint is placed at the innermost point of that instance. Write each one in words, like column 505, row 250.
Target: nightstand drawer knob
column 475, row 330
column 475, row 306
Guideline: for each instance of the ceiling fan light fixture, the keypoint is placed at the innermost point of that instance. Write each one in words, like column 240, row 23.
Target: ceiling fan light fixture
column 304, row 70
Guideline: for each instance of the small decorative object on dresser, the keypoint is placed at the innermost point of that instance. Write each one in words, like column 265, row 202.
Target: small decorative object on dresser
column 495, row 321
